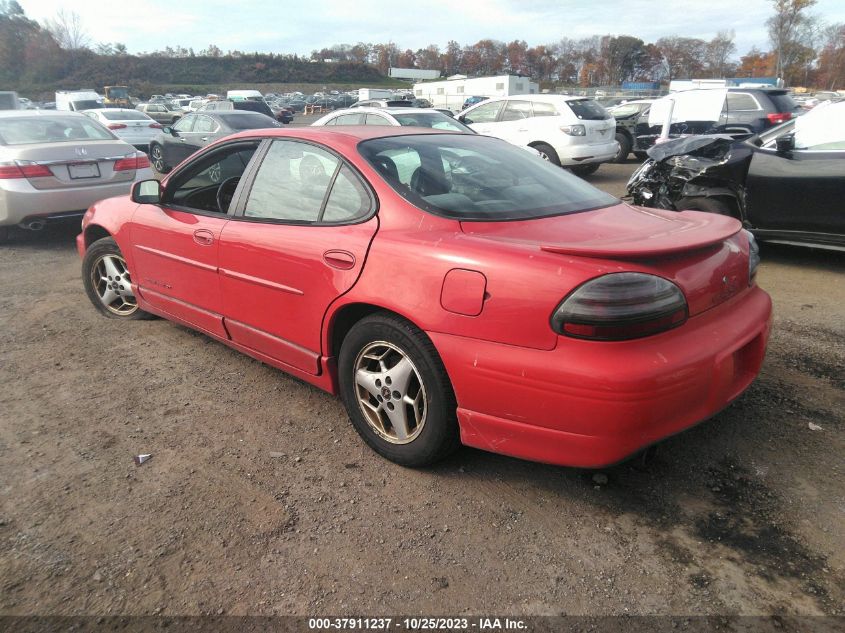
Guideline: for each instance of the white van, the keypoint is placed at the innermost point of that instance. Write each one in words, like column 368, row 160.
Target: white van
column 78, row 100
column 245, row 95
column 575, row 132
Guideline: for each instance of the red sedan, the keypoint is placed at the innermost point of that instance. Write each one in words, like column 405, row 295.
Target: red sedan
column 452, row 288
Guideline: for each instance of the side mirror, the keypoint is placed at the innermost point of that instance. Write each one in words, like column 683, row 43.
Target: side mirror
column 785, row 143
column 463, row 119
column 146, row 192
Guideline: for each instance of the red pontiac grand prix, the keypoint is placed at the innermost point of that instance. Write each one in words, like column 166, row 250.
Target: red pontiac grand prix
column 452, row 288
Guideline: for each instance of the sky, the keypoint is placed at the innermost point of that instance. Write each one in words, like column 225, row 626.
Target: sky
column 282, row 26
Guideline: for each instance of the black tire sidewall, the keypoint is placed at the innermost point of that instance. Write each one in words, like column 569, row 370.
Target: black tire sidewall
column 104, row 246
column 549, row 151
column 624, row 147
column 439, row 435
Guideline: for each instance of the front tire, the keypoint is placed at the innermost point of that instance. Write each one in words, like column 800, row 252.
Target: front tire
column 107, row 282
column 624, row 147
column 396, row 391
column 157, row 158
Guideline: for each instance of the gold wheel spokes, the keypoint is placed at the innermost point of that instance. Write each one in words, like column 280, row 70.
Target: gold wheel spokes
column 390, row 392
column 111, row 281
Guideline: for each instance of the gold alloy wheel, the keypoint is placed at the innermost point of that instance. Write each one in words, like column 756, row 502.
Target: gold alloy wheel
column 110, row 280
column 390, row 392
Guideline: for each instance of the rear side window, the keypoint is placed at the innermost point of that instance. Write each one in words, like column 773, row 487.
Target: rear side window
column 300, row 183
column 543, row 108
column 375, row 119
column 348, row 119
column 588, row 110
column 741, row 102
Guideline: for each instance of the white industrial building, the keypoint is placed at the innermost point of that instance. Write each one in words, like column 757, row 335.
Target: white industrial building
column 451, row 92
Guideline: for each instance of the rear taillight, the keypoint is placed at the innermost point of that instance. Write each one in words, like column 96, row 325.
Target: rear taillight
column 9, row 171
column 156, row 125
column 138, row 161
column 117, row 126
column 778, row 117
column 621, row 306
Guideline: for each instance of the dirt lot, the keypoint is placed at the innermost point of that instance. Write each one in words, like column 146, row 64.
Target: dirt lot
column 261, row 499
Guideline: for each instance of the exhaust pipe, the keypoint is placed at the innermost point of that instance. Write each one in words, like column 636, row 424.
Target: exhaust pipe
column 35, row 225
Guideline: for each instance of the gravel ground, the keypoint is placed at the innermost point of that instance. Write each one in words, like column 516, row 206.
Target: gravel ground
column 261, row 499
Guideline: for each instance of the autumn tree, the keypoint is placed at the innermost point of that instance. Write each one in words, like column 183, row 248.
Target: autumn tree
column 718, row 52
column 786, row 28
column 831, row 67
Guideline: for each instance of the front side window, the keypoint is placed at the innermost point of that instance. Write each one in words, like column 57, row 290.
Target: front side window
column 185, row 124
column 301, row 183
column 486, row 113
column 470, row 177
column 208, row 184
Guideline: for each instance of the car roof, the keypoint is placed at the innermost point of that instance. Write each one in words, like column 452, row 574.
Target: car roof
column 347, row 132
column 9, row 114
column 390, row 110
column 112, row 110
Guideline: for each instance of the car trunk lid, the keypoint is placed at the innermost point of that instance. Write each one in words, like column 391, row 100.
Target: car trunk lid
column 76, row 164
column 705, row 254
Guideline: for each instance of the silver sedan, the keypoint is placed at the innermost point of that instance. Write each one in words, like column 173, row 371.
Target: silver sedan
column 55, row 165
column 132, row 126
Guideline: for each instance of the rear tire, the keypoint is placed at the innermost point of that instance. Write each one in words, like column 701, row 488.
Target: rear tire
column 701, row 203
column 624, row 147
column 107, row 282
column 547, row 152
column 585, row 170
column 4, row 234
column 396, row 391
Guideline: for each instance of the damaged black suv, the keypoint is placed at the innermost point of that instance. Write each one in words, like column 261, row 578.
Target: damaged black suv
column 786, row 184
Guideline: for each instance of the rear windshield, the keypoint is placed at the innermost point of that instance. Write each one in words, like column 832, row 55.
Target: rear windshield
column 88, row 105
column 52, row 129
column 434, row 120
column 470, row 177
column 588, row 110
column 784, row 103
column 125, row 115
column 248, row 121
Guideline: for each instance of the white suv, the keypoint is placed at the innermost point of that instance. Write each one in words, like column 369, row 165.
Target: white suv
column 575, row 132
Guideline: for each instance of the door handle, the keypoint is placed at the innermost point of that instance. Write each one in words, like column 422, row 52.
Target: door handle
column 522, row 129
column 204, row 138
column 203, row 237
column 343, row 260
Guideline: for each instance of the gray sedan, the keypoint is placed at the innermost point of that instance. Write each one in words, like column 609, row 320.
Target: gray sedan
column 56, row 165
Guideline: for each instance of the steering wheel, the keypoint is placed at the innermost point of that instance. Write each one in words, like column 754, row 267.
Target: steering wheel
column 225, row 192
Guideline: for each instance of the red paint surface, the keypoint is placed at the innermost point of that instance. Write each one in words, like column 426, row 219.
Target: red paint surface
column 484, row 292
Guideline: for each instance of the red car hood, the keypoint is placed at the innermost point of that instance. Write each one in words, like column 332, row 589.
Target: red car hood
column 617, row 232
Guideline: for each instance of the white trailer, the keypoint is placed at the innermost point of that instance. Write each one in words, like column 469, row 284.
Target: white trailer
column 374, row 93
column 451, row 92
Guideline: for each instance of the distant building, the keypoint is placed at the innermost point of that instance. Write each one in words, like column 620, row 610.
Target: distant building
column 731, row 82
column 413, row 73
column 451, row 92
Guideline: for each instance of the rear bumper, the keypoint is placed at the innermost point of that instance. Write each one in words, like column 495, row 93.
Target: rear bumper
column 587, row 153
column 590, row 404
column 21, row 202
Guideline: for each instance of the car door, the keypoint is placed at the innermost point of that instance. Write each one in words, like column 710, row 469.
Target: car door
column 298, row 241
column 482, row 118
column 175, row 243
column 195, row 138
column 174, row 148
column 515, row 122
column 799, row 190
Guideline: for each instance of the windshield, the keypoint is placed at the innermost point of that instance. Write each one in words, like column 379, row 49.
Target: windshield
column 470, row 177
column 118, row 93
column 435, row 120
column 54, row 129
column 627, row 109
column 589, row 110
